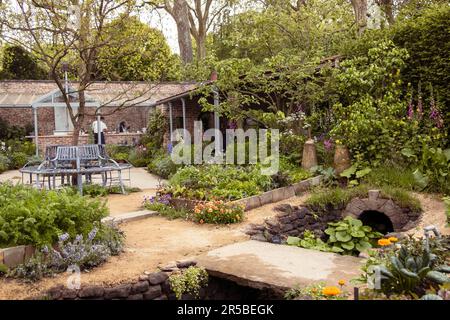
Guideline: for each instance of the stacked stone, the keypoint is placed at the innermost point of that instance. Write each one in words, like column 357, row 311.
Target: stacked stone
column 149, row 286
column 292, row 221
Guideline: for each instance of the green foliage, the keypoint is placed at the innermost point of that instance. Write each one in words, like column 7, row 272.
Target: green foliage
column 30, row 216
column 141, row 53
column 427, row 39
column 162, row 165
column 12, row 132
column 190, row 281
column 157, row 126
column 4, row 163
column 335, row 197
column 369, row 117
column 349, row 236
column 309, row 241
column 406, row 272
column 447, row 210
column 398, row 177
column 315, row 292
column 432, row 168
column 355, row 173
column 97, row 190
column 216, row 181
column 17, row 63
column 3, row 269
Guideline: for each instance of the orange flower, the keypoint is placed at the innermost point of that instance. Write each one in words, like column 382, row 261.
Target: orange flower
column 221, row 211
column 197, row 210
column 392, row 239
column 341, row 282
column 331, row 291
column 201, row 221
column 210, row 210
column 384, row 242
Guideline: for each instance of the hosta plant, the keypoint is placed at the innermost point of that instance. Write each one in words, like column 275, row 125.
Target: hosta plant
column 350, row 236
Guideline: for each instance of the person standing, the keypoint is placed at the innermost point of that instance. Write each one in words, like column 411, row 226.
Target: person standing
column 103, row 127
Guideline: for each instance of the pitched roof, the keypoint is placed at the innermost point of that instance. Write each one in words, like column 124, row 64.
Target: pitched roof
column 22, row 93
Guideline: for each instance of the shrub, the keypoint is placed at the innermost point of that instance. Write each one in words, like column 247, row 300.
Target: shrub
column 216, row 181
column 349, row 236
column 4, row 163
column 162, row 165
column 392, row 176
column 80, row 252
column 218, row 212
column 190, row 281
column 18, row 160
column 156, row 128
column 30, row 216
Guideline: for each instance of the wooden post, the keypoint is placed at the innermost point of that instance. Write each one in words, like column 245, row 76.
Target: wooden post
column 170, row 122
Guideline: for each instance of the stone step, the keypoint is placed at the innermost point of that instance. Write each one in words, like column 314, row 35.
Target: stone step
column 264, row 265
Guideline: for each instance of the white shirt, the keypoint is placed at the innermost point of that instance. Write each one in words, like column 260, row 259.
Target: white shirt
column 103, row 126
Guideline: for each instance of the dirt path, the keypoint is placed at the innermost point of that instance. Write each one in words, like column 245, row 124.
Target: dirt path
column 156, row 240
column 119, row 203
column 150, row 243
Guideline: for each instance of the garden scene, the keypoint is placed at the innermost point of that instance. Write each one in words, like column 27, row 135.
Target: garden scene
column 210, row 150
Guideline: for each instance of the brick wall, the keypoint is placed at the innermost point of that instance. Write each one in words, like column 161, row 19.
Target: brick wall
column 111, row 138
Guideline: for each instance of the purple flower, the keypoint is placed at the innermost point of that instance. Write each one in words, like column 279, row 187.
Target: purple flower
column 410, row 111
column 328, row 144
column 419, row 108
column 79, row 237
column 169, row 147
column 64, row 237
column 92, row 234
column 45, row 249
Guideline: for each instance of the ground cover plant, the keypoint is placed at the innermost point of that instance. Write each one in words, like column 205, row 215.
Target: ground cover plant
column 190, row 281
column 31, row 216
column 319, row 291
column 97, row 190
column 410, row 267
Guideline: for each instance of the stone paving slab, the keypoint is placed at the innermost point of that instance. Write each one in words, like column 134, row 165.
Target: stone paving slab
column 265, row 265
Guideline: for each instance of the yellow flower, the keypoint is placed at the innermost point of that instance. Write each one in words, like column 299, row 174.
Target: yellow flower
column 331, row 291
column 341, row 282
column 392, row 239
column 384, row 242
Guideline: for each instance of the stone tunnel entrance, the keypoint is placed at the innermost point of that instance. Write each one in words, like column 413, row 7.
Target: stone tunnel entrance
column 377, row 220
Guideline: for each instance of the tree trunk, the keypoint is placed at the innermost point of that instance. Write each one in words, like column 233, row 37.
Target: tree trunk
column 360, row 9
column 180, row 13
column 387, row 6
column 201, row 47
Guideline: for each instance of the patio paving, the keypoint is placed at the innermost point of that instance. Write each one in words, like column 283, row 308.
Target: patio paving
column 264, row 265
column 140, row 178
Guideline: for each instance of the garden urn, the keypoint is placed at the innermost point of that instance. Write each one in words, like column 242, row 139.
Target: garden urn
column 309, row 158
column 341, row 159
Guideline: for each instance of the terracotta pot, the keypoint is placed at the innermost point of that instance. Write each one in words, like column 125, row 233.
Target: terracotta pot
column 341, row 159
column 309, row 158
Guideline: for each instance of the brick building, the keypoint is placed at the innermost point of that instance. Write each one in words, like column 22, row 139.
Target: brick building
column 25, row 102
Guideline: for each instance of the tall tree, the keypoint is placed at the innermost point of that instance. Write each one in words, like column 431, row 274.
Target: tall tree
column 18, row 63
column 57, row 31
column 153, row 61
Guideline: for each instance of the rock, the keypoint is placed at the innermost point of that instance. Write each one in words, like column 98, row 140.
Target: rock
column 186, row 263
column 121, row 291
column 55, row 293
column 69, row 294
column 138, row 296
column 157, row 278
column 143, row 277
column 284, row 208
column 258, row 237
column 91, row 292
column 276, row 239
column 162, row 297
column 363, row 255
column 152, row 293
column 169, row 267
column 287, row 227
column 165, row 287
column 272, row 222
column 284, row 220
column 140, row 287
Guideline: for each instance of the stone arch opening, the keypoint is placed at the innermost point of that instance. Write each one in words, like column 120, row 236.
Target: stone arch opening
column 377, row 220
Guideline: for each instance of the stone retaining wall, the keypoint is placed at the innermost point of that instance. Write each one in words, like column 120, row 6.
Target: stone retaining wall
column 149, row 286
